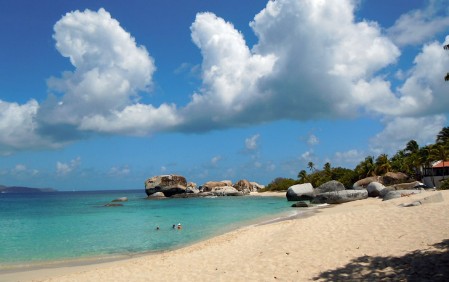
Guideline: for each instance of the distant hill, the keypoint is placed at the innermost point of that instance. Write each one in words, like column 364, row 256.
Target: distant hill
column 19, row 189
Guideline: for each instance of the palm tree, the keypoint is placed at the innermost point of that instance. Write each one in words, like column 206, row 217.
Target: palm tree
column 302, row 175
column 443, row 136
column 382, row 164
column 398, row 162
column 311, row 166
column 365, row 168
column 426, row 161
column 327, row 168
column 412, row 147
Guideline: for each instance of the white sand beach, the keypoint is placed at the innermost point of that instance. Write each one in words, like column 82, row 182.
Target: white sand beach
column 368, row 240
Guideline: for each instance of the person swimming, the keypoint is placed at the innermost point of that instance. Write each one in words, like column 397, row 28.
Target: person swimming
column 179, row 226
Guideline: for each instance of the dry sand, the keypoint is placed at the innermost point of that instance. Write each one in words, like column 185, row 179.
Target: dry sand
column 361, row 240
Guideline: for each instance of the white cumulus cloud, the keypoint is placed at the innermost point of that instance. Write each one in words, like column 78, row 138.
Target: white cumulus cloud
column 312, row 60
column 251, row 143
column 101, row 95
column 418, row 26
column 65, row 168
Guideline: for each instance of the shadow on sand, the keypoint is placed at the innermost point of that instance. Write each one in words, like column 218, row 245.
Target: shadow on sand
column 422, row 265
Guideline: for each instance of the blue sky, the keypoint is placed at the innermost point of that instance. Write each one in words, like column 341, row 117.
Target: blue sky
column 104, row 94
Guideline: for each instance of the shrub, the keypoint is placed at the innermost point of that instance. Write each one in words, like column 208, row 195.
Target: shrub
column 280, row 184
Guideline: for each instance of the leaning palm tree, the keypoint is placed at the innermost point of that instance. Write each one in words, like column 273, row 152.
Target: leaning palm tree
column 412, row 147
column 302, row 175
column 443, row 136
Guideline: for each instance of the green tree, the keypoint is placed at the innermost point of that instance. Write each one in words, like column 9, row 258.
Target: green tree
column 302, row 176
column 365, row 168
column 280, row 184
column 327, row 168
column 443, row 136
column 344, row 175
column 311, row 166
column 382, row 164
column 411, row 147
column 426, row 161
column 399, row 162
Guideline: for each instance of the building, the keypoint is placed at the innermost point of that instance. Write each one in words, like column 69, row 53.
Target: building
column 432, row 176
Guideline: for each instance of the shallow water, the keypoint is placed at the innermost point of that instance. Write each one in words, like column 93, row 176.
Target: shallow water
column 43, row 227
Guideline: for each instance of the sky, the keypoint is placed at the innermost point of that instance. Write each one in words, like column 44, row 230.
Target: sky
column 101, row 95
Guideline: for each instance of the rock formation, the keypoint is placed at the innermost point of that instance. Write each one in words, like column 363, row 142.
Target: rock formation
column 169, row 185
column 340, row 197
column 243, row 186
column 300, row 192
column 374, row 189
column 330, row 186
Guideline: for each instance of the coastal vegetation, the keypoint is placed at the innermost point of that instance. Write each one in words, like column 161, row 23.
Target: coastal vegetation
column 412, row 160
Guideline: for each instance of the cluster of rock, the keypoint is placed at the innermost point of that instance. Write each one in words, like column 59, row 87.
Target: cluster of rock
column 176, row 186
column 332, row 192
column 387, row 187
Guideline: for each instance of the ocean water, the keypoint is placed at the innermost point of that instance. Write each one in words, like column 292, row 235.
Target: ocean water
column 63, row 226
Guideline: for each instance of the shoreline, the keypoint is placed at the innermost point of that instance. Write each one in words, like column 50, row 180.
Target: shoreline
column 269, row 194
column 36, row 270
column 332, row 243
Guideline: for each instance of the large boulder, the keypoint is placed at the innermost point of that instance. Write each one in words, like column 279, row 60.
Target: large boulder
column 330, row 186
column 192, row 188
column 339, row 197
column 374, row 189
column 406, row 186
column 244, row 186
column 226, row 191
column 300, row 192
column 363, row 183
column 300, row 205
column 121, row 199
column 399, row 193
column 167, row 184
column 211, row 185
column 157, row 195
column 257, row 187
column 391, row 178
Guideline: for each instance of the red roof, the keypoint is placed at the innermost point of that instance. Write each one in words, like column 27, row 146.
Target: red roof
column 440, row 164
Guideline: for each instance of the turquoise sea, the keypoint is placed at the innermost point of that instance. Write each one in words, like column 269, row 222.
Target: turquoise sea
column 52, row 227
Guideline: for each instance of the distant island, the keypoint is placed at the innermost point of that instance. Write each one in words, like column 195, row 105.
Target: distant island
column 19, row 189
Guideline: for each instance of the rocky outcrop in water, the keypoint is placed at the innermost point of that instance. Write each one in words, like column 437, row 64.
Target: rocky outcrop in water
column 176, row 186
column 169, row 185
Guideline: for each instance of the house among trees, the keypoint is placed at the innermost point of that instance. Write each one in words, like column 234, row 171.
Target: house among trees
column 432, row 176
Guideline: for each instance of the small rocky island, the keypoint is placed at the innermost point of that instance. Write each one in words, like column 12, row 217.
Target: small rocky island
column 24, row 190
column 176, row 186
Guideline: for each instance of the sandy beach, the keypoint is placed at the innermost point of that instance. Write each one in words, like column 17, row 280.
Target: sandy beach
column 363, row 240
